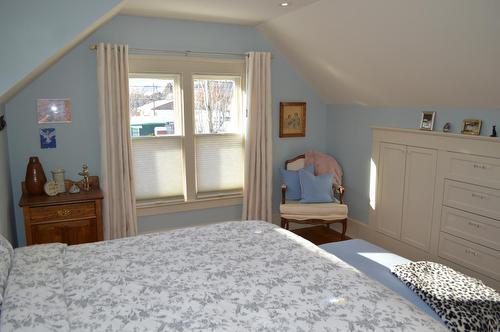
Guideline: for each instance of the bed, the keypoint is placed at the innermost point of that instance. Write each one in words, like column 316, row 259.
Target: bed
column 232, row 276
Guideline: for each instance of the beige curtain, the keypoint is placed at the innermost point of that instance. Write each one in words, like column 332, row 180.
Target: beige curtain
column 257, row 197
column 119, row 214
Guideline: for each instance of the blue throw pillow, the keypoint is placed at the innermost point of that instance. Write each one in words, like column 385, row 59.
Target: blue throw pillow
column 316, row 189
column 292, row 182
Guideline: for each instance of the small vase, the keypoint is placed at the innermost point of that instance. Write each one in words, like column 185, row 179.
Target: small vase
column 35, row 177
column 58, row 176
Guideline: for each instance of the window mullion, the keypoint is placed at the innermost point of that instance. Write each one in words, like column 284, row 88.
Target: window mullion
column 189, row 143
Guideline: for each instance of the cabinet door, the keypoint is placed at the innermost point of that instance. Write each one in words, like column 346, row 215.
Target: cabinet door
column 73, row 232
column 391, row 179
column 419, row 197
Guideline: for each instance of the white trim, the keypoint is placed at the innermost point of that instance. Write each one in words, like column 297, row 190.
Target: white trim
column 158, row 208
column 438, row 133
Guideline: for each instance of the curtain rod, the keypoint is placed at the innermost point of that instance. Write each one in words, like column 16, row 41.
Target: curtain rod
column 185, row 53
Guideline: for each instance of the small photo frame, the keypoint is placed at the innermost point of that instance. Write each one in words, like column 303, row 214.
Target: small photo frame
column 471, row 127
column 47, row 138
column 54, row 111
column 292, row 119
column 427, row 121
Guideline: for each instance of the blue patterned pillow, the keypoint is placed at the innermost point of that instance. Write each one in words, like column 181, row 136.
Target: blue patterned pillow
column 292, row 182
column 316, row 189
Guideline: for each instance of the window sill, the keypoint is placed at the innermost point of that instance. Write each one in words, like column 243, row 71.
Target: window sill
column 157, row 208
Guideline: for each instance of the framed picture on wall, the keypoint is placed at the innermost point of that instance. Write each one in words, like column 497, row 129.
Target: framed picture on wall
column 53, row 111
column 427, row 121
column 292, row 119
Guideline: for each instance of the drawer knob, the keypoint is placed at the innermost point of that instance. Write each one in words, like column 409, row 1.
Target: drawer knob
column 63, row 213
column 474, row 224
column 470, row 252
column 480, row 166
column 475, row 195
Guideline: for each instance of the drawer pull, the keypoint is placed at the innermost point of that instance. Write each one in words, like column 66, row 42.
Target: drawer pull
column 63, row 213
column 471, row 252
column 480, row 166
column 474, row 224
column 475, row 195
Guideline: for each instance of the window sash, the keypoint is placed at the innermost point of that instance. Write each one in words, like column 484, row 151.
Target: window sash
column 186, row 70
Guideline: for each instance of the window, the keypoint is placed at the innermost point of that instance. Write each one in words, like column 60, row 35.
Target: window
column 218, row 134
column 186, row 124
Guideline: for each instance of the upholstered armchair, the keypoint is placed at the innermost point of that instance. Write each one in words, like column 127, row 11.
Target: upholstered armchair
column 312, row 213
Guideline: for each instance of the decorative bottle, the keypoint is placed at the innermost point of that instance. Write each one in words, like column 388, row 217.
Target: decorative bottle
column 35, row 177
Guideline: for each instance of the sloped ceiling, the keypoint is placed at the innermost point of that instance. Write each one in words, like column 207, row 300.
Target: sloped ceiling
column 247, row 12
column 395, row 53
column 35, row 34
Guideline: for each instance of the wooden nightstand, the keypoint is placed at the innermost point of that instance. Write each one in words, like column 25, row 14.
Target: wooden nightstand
column 66, row 218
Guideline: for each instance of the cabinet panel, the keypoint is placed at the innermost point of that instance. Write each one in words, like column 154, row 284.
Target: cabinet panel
column 75, row 232
column 391, row 188
column 419, row 197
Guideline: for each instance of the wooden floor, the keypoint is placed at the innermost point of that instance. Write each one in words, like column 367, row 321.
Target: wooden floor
column 319, row 234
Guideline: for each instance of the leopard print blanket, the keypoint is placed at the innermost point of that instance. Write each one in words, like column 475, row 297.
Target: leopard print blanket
column 462, row 302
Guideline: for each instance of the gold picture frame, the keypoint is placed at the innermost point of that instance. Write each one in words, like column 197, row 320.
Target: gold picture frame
column 471, row 127
column 292, row 119
column 427, row 121
column 54, row 111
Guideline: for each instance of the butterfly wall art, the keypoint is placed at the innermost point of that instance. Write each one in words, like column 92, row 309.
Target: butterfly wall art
column 47, row 138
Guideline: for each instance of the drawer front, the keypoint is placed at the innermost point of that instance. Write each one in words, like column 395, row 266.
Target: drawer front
column 470, row 255
column 472, row 198
column 69, row 232
column 62, row 212
column 471, row 227
column 473, row 169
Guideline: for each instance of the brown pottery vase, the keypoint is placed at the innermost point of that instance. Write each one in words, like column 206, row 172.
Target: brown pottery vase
column 35, row 177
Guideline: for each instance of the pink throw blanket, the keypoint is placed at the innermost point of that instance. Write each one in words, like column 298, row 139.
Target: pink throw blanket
column 324, row 164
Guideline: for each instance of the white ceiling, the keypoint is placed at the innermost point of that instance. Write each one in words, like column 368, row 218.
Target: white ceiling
column 247, row 12
column 395, row 53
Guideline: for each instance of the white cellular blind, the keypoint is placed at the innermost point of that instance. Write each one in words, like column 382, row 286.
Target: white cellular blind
column 158, row 168
column 219, row 162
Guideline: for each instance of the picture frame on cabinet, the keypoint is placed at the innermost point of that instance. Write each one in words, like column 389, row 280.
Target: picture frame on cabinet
column 427, row 121
column 471, row 127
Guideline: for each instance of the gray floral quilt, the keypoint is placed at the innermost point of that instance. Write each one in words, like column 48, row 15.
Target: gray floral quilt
column 234, row 276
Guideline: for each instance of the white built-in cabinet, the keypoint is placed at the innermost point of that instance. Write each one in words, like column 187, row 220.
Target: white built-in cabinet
column 438, row 198
column 406, row 180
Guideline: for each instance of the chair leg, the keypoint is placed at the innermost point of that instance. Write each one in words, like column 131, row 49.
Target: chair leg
column 344, row 229
column 282, row 222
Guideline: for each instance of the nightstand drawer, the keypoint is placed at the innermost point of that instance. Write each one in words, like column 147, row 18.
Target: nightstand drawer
column 62, row 212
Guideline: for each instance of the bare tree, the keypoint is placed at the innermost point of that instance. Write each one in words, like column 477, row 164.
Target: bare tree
column 213, row 98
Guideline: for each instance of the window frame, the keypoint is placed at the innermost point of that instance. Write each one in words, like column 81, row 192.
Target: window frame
column 188, row 68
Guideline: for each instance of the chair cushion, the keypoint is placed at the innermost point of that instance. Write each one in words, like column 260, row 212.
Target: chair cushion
column 292, row 182
column 316, row 189
column 324, row 211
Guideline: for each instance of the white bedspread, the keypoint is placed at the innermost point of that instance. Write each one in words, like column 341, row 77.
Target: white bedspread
column 235, row 276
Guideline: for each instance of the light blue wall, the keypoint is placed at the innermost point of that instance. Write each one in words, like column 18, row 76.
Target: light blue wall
column 350, row 141
column 6, row 213
column 74, row 76
column 32, row 31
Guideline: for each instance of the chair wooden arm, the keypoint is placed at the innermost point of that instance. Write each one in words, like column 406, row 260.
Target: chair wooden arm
column 341, row 191
column 283, row 194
